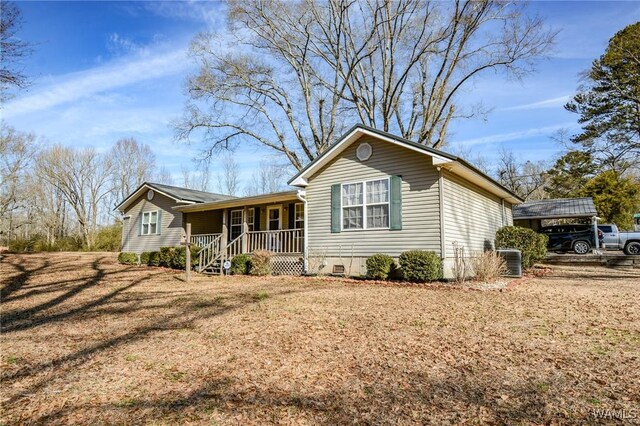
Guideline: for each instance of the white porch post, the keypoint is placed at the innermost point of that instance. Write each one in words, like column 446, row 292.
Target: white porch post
column 225, row 229
column 245, row 229
column 305, row 241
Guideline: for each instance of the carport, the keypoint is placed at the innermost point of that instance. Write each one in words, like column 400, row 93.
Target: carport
column 530, row 214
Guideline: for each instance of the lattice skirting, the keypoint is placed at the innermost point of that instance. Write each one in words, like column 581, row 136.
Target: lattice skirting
column 287, row 265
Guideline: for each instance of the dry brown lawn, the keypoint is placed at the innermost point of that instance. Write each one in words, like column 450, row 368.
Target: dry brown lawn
column 85, row 340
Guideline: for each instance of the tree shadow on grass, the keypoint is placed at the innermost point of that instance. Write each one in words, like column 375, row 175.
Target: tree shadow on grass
column 15, row 283
column 423, row 400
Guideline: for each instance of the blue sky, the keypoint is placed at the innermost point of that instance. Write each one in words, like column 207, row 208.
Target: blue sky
column 107, row 70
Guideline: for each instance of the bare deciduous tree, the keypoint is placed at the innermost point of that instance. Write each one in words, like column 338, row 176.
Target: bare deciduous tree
column 526, row 179
column 296, row 73
column 16, row 156
column 164, row 176
column 12, row 50
column 84, row 179
column 133, row 164
column 269, row 177
column 229, row 176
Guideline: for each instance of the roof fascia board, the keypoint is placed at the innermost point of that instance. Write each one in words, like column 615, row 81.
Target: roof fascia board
column 237, row 202
column 122, row 206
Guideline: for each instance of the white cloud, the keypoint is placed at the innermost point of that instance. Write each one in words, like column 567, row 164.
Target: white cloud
column 547, row 103
column 83, row 84
column 522, row 134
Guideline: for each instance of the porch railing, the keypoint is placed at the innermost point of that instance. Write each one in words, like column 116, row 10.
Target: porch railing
column 202, row 240
column 281, row 241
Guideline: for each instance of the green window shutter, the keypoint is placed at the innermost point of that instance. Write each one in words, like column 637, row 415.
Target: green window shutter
column 159, row 223
column 335, row 207
column 395, row 209
column 292, row 215
column 140, row 223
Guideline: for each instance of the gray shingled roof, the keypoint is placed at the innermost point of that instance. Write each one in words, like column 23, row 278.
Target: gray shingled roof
column 189, row 194
column 555, row 209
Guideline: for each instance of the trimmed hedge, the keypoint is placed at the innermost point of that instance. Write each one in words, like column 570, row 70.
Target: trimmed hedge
column 532, row 245
column 154, row 258
column 127, row 258
column 261, row 263
column 421, row 266
column 240, row 264
column 176, row 257
column 380, row 266
column 144, row 257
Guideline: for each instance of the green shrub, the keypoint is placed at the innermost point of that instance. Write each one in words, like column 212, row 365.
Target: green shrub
column 421, row 266
column 144, row 257
column 240, row 264
column 127, row 258
column 166, row 256
column 380, row 266
column 532, row 245
column 154, row 258
column 109, row 238
column 261, row 262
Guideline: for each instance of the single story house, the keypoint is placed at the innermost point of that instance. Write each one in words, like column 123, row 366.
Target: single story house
column 370, row 192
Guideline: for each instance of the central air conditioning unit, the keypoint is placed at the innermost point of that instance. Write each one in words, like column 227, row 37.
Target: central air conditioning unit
column 513, row 259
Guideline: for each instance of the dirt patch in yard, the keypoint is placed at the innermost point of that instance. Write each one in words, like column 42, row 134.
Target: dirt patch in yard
column 85, row 340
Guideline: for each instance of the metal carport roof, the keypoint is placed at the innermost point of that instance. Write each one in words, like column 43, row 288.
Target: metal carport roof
column 555, row 209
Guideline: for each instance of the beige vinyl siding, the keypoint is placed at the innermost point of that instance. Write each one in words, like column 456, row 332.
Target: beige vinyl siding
column 171, row 233
column 471, row 215
column 208, row 222
column 420, row 208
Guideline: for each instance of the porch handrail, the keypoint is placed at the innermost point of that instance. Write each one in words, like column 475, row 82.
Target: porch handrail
column 209, row 252
column 202, row 240
column 234, row 248
column 277, row 241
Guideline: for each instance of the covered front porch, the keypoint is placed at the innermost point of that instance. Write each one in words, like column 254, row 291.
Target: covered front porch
column 224, row 229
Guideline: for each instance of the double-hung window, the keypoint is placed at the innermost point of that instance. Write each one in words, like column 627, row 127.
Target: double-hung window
column 298, row 216
column 149, row 223
column 251, row 218
column 236, row 224
column 365, row 205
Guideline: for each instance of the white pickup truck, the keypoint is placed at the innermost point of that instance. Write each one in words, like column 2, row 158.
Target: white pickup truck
column 616, row 240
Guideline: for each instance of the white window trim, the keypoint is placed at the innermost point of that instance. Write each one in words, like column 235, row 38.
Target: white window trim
column 269, row 208
column 157, row 212
column 364, row 205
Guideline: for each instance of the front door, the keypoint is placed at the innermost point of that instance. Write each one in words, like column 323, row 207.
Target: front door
column 274, row 223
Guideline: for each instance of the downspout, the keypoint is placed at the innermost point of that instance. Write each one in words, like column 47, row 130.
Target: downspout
column 441, row 203
column 305, row 240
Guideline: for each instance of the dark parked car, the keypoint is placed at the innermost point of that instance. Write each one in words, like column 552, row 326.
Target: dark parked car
column 571, row 237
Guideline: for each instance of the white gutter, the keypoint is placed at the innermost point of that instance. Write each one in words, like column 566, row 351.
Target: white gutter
column 443, row 247
column 305, row 240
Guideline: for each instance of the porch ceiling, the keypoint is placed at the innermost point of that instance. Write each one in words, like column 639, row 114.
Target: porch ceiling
column 256, row 200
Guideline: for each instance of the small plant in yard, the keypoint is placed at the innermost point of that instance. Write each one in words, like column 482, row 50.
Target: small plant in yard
column 488, row 266
column 261, row 262
column 260, row 296
column 380, row 266
column 240, row 264
column 532, row 245
column 128, row 258
column 12, row 359
column 421, row 266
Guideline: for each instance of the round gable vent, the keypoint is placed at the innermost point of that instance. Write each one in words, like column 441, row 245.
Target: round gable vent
column 364, row 151
column 150, row 195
